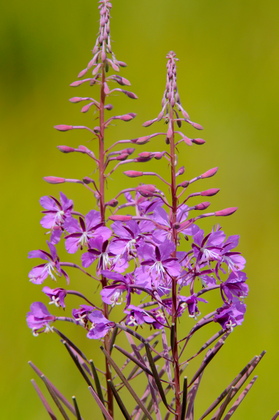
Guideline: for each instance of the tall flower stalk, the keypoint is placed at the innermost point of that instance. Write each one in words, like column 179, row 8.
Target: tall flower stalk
column 145, row 251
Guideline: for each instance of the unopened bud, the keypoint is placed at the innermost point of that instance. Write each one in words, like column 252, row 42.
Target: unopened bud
column 209, row 173
column 65, row 149
column 148, row 123
column 120, row 218
column 158, row 155
column 210, row 192
column 202, row 206
column 112, row 203
column 147, row 190
column 226, row 212
column 198, row 141
column 180, row 171
column 133, row 174
column 63, row 127
column 144, row 157
column 54, row 180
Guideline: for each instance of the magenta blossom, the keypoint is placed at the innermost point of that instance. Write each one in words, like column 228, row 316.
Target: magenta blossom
column 235, row 286
column 38, row 318
column 55, row 214
column 100, row 325
column 56, row 296
column 52, row 268
column 82, row 313
column 82, row 230
column 230, row 315
column 138, row 316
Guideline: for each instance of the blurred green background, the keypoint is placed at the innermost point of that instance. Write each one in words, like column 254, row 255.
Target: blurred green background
column 228, row 82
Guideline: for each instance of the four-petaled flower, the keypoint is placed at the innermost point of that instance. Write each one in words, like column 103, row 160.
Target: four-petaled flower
column 56, row 296
column 38, row 318
column 55, row 214
column 82, row 230
column 52, row 268
column 100, row 325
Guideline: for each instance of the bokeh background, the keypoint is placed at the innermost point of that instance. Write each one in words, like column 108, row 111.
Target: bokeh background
column 228, row 82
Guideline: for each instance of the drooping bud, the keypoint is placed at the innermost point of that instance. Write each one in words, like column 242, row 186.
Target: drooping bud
column 112, row 203
column 54, row 179
column 198, row 141
column 210, row 192
column 65, row 149
column 147, row 190
column 144, row 157
column 209, row 173
column 226, row 212
column 63, row 127
column 202, row 206
column 120, row 218
column 133, row 174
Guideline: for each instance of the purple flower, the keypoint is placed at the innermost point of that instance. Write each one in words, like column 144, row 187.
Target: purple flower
column 56, row 296
column 157, row 264
column 234, row 260
column 55, row 214
column 235, row 285
column 112, row 294
column 38, row 318
column 166, row 226
column 52, row 268
column 81, row 314
column 230, row 314
column 97, row 251
column 100, row 325
column 192, row 304
column 81, row 231
column 138, row 316
column 208, row 248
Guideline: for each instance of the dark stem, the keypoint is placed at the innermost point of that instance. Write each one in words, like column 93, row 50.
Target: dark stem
column 174, row 340
column 102, row 177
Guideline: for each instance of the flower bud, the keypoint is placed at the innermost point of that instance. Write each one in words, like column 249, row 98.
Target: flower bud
column 210, row 192
column 65, row 149
column 198, row 141
column 54, row 180
column 112, row 203
column 202, row 206
column 226, row 212
column 63, row 127
column 133, row 174
column 147, row 190
column 120, row 218
column 209, row 173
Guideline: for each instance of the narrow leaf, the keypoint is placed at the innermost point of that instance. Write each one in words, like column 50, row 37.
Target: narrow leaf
column 44, row 401
column 119, row 401
column 240, row 378
column 54, row 397
column 97, row 381
column 78, row 416
column 184, row 399
column 100, row 404
column 58, row 393
column 156, row 376
column 240, row 399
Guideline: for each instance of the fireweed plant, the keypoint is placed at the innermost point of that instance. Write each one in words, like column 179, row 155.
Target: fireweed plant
column 143, row 250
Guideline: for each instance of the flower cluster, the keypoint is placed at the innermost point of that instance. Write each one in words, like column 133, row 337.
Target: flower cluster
column 139, row 256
